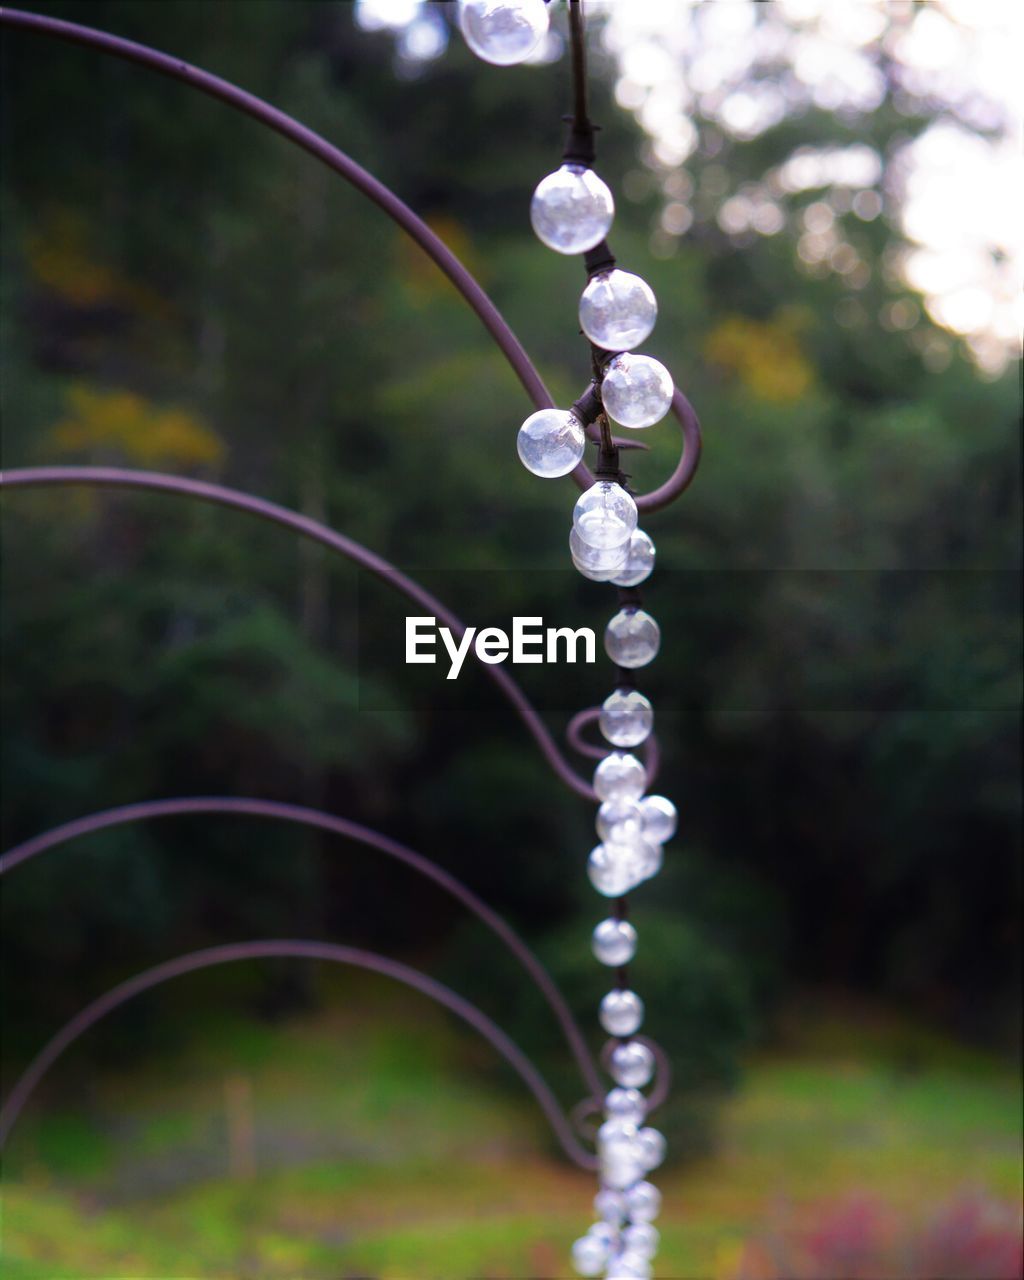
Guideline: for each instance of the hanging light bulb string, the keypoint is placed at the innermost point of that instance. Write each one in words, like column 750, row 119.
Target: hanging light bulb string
column 571, row 211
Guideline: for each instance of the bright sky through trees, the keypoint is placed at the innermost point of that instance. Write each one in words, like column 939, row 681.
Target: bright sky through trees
column 954, row 189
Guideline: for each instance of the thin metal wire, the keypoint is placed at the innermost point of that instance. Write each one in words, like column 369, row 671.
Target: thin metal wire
column 336, row 159
column 302, row 816
column 581, row 114
column 287, row 948
column 117, row 477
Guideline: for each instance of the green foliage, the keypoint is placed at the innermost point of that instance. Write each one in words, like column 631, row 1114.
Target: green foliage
column 419, row 1167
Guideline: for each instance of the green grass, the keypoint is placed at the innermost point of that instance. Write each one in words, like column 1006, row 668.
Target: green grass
column 382, row 1151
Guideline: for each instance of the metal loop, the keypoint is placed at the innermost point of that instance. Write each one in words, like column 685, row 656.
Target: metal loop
column 662, row 1068
column 650, row 752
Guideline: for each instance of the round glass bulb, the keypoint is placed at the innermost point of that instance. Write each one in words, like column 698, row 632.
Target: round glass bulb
column 605, row 1233
column 604, row 517
column 610, row 1206
column 621, row 1013
column 613, row 869
column 551, row 443
column 617, row 310
column 643, row 1202
column 660, row 819
column 589, row 1255
column 617, row 1139
column 632, row 638
column 596, row 560
column 652, row 1147
column 639, row 561
column 632, row 1064
column 626, row 1104
column 636, row 390
column 620, row 776
column 641, row 1238
column 614, row 942
column 629, row 1265
column 592, row 575
column 621, row 1172
column 620, row 1152
column 571, row 209
column 503, row 32
column 620, row 821
column 626, row 718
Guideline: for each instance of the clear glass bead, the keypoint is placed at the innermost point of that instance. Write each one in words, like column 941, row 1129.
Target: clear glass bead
column 632, row 1064
column 589, row 1255
column 629, row 1265
column 632, row 638
column 621, row 1013
column 592, row 575
column 620, row 1154
column 622, row 1168
column 641, row 1238
column 626, row 718
column 636, row 390
column 503, row 32
column 571, row 209
column 617, row 1138
column 614, row 942
column 617, row 310
column 628, row 1105
column 620, row 776
column 652, row 1147
column 620, row 821
column 613, row 869
column 551, row 443
column 659, row 817
column 605, row 515
column 639, row 560
column 610, row 1206
column 643, row 1202
column 605, row 1233
column 600, row 563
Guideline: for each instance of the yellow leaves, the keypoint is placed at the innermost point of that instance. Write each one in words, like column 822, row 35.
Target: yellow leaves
column 61, row 258
column 126, row 424
column 766, row 356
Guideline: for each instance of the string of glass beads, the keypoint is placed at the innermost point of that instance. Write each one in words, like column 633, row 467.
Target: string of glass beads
column 571, row 212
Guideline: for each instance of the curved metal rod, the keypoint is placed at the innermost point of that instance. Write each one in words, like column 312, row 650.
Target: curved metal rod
column 288, row 127
column 574, row 734
column 581, row 1113
column 273, row 948
column 117, row 477
column 650, row 751
column 662, row 1070
column 689, row 460
column 303, row 816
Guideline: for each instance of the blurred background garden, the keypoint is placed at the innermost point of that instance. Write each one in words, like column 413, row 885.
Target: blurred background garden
column 824, row 195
